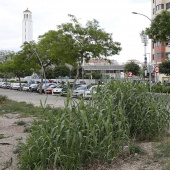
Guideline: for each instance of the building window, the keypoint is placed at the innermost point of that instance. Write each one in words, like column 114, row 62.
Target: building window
column 159, row 7
column 152, row 56
column 168, row 5
column 168, row 55
column 160, row 55
column 157, row 44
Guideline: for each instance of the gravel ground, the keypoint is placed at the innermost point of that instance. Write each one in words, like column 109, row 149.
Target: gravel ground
column 12, row 134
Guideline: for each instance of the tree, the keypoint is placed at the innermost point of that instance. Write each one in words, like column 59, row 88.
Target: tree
column 86, row 42
column 160, row 27
column 165, row 67
column 62, row 71
column 5, row 63
column 21, row 65
column 5, row 55
column 39, row 53
column 57, row 71
column 133, row 67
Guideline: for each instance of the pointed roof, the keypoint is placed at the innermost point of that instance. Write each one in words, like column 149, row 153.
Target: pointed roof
column 27, row 10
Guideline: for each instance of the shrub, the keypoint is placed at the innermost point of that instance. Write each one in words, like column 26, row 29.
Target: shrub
column 84, row 132
column 3, row 99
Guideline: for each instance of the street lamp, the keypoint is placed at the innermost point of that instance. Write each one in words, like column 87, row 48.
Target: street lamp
column 142, row 15
column 42, row 67
column 145, row 41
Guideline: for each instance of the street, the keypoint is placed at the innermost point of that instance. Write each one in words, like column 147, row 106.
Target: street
column 34, row 98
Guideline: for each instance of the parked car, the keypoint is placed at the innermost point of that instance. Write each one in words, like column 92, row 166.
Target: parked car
column 1, row 83
column 91, row 91
column 6, row 85
column 78, row 92
column 68, row 87
column 15, row 86
column 25, row 87
column 57, row 90
column 33, row 87
column 49, row 89
column 44, row 86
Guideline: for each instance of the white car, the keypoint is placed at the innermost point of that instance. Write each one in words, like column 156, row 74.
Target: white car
column 92, row 90
column 80, row 90
column 25, row 87
column 57, row 90
column 15, row 86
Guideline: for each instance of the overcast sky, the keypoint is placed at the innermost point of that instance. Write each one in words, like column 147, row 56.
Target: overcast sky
column 114, row 16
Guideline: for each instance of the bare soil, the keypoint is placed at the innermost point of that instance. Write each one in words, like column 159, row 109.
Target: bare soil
column 11, row 133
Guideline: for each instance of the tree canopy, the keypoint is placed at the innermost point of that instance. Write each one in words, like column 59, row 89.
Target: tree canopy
column 160, row 27
column 165, row 67
column 133, row 67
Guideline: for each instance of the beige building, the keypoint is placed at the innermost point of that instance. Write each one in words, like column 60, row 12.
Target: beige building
column 160, row 51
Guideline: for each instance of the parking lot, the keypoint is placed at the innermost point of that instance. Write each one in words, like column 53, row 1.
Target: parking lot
column 34, row 98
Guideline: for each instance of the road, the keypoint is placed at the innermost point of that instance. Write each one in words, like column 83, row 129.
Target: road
column 34, row 98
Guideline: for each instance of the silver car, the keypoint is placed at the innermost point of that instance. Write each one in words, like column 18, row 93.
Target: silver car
column 78, row 92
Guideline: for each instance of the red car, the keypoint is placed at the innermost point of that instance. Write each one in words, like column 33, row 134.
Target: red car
column 49, row 89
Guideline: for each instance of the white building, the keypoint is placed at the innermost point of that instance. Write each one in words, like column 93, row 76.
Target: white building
column 27, row 27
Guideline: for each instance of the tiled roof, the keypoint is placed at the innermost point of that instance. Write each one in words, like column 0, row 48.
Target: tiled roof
column 27, row 10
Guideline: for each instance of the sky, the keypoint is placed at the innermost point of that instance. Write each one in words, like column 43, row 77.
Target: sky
column 114, row 16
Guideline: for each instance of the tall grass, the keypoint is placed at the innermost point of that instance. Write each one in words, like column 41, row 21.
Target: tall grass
column 3, row 99
column 96, row 130
column 148, row 115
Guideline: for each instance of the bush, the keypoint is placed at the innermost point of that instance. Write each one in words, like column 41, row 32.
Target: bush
column 3, row 99
column 83, row 132
column 161, row 89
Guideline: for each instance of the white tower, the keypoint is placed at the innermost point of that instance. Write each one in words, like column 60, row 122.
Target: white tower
column 27, row 31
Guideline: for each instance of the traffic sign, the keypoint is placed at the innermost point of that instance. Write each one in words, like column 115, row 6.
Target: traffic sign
column 156, row 69
column 130, row 74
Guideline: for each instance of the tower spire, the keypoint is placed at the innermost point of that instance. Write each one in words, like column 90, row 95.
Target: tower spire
column 27, row 30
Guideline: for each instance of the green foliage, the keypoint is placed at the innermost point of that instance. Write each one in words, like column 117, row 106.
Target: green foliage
column 134, row 148
column 160, row 27
column 162, row 150
column 160, row 88
column 21, row 123
column 22, row 108
column 133, row 67
column 3, row 99
column 141, row 108
column 61, row 71
column 165, row 67
column 85, row 42
column 2, row 136
column 83, row 132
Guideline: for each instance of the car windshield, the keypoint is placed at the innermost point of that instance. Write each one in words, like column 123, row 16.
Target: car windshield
column 82, row 88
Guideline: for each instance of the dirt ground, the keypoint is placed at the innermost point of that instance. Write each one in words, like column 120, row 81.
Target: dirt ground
column 13, row 133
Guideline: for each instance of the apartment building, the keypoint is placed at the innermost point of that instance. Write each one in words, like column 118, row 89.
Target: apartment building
column 160, row 50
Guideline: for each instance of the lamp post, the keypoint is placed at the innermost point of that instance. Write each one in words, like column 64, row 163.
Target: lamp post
column 142, row 15
column 42, row 67
column 145, row 41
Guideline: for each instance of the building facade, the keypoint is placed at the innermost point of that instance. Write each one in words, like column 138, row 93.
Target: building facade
column 160, row 50
column 27, row 26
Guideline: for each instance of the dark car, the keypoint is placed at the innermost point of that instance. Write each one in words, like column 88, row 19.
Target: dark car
column 66, row 88
column 33, row 87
